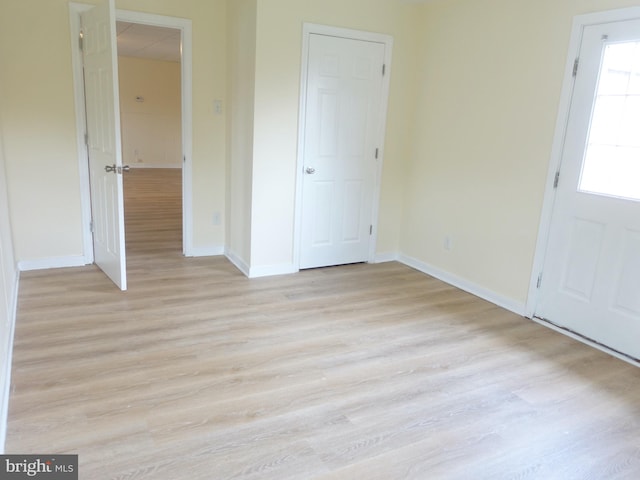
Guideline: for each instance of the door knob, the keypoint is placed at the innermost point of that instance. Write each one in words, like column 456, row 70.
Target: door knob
column 310, row 170
column 110, row 168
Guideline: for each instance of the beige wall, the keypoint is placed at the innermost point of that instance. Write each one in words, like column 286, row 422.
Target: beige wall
column 277, row 90
column 39, row 128
column 475, row 86
column 241, row 27
column 151, row 129
column 40, row 133
column 490, row 75
column 8, row 285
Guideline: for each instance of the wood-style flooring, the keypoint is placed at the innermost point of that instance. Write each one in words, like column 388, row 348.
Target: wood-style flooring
column 366, row 372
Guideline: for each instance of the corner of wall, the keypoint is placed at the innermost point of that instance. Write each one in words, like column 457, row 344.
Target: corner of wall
column 5, row 373
column 239, row 263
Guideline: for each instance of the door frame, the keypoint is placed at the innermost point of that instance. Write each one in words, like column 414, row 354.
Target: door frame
column 184, row 25
column 580, row 22
column 309, row 29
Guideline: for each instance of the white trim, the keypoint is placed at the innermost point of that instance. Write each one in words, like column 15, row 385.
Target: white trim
column 307, row 30
column 184, row 25
column 260, row 271
column 271, row 270
column 52, row 262
column 386, row 257
column 586, row 341
column 579, row 24
column 212, row 251
column 238, row 262
column 463, row 284
column 75, row 9
column 8, row 361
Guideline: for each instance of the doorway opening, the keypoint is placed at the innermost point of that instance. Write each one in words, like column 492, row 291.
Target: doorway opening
column 149, row 70
column 182, row 29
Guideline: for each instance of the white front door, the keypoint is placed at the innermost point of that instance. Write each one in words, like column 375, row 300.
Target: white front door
column 343, row 108
column 590, row 282
column 103, row 129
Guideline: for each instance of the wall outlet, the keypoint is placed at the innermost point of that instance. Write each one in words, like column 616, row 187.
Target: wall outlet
column 216, row 218
column 448, row 243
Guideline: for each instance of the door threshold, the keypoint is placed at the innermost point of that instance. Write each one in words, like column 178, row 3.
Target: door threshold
column 588, row 341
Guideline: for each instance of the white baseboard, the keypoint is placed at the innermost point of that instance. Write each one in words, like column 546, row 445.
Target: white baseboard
column 463, row 284
column 385, row 257
column 262, row 271
column 5, row 385
column 238, row 262
column 53, row 262
column 270, row 270
column 212, row 251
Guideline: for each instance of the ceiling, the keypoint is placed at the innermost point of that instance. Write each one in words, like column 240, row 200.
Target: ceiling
column 147, row 41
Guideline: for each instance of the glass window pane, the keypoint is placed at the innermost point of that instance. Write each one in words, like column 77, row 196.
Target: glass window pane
column 612, row 158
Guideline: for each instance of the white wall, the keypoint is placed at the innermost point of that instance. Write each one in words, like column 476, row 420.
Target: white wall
column 8, row 295
column 152, row 128
column 241, row 26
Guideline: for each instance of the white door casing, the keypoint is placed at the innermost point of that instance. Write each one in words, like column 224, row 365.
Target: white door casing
column 344, row 104
column 184, row 25
column 103, row 140
column 590, row 282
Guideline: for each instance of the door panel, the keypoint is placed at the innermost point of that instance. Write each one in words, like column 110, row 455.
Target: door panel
column 591, row 275
column 582, row 259
column 103, row 129
column 343, row 105
column 627, row 300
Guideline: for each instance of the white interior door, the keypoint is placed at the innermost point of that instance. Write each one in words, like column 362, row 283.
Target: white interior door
column 591, row 278
column 343, row 108
column 103, row 130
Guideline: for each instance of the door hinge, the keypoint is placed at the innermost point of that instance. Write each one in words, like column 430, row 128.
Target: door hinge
column 377, row 152
column 576, row 62
column 81, row 40
column 86, row 139
column 539, row 281
column 556, row 180
column 370, row 229
column 91, row 226
column 184, row 159
column 384, row 69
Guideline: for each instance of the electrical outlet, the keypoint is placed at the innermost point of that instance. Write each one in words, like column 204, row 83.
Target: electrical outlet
column 216, row 218
column 448, row 243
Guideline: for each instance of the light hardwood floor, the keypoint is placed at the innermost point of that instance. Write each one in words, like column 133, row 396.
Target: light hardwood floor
column 355, row 372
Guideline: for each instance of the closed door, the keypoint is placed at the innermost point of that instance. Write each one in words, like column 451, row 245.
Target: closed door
column 343, row 108
column 590, row 283
column 103, row 140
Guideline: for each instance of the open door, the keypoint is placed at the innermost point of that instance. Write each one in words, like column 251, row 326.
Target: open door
column 99, row 49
